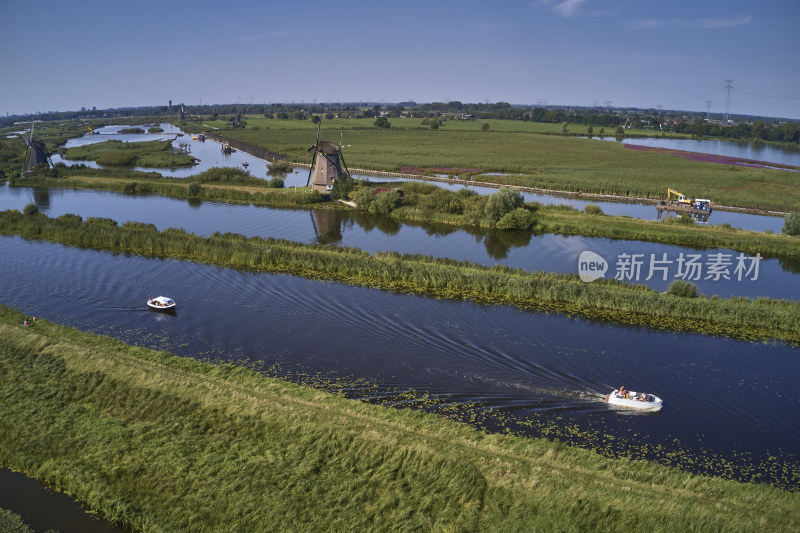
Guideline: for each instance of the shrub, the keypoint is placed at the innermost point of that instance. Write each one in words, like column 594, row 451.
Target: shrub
column 342, row 187
column 684, row 289
column 364, row 198
column 31, row 209
column 193, row 189
column 791, row 224
column 275, row 183
column 130, row 187
column 385, row 203
column 520, row 218
column 592, row 209
column 443, row 201
column 503, row 201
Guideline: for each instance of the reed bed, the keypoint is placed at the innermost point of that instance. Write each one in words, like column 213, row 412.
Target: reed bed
column 155, row 442
column 607, row 300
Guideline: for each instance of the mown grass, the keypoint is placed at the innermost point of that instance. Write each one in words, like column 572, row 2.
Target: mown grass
column 161, row 443
column 607, row 300
column 546, row 161
column 151, row 154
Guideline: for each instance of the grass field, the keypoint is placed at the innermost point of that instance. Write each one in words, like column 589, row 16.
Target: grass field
column 546, row 161
column 160, row 443
column 152, row 154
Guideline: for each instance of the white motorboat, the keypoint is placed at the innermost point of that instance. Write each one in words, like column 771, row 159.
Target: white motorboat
column 634, row 400
column 161, row 303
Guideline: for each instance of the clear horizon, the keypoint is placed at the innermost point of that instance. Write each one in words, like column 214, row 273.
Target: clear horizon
column 581, row 53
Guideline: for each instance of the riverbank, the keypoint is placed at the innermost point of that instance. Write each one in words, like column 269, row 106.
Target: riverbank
column 236, row 186
column 603, row 300
column 156, row 442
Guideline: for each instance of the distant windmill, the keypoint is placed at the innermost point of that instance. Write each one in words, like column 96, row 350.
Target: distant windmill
column 35, row 154
column 327, row 165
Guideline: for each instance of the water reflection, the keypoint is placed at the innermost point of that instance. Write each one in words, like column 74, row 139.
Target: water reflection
column 373, row 233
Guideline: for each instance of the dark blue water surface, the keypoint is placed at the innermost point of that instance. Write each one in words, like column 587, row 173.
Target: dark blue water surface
column 731, row 408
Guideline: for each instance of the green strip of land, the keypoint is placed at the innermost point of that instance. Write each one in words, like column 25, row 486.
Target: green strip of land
column 156, row 442
column 607, row 300
column 237, row 186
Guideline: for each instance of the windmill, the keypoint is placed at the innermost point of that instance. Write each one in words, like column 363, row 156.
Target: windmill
column 35, row 153
column 327, row 166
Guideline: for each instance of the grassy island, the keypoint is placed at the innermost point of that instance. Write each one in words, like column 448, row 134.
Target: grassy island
column 151, row 154
column 608, row 300
column 156, row 442
column 425, row 202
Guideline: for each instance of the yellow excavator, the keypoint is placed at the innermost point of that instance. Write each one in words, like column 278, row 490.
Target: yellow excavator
column 681, row 198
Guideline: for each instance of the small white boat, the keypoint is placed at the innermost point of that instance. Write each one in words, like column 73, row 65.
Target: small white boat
column 161, row 303
column 635, row 400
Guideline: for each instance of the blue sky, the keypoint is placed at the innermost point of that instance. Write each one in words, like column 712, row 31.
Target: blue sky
column 677, row 54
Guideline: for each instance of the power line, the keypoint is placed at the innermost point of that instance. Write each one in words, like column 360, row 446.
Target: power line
column 729, row 86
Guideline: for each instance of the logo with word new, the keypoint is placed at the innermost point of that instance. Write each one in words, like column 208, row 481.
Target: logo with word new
column 591, row 266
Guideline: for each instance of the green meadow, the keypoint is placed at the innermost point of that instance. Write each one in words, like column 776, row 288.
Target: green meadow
column 533, row 155
column 155, row 442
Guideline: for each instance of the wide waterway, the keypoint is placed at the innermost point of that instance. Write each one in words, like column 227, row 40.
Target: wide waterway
column 549, row 252
column 731, row 407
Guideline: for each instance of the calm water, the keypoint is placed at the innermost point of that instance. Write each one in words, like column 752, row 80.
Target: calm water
column 44, row 510
column 553, row 253
column 744, row 150
column 531, row 373
column 210, row 155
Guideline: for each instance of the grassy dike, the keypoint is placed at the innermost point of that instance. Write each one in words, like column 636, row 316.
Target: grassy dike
column 607, row 300
column 218, row 185
column 162, row 443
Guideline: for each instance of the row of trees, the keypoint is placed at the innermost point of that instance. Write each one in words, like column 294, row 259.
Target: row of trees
column 677, row 122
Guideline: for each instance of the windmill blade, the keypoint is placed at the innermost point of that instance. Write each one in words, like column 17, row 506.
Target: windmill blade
column 318, row 126
column 311, row 168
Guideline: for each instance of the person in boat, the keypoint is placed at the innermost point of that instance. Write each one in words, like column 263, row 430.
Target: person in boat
column 643, row 397
column 622, row 392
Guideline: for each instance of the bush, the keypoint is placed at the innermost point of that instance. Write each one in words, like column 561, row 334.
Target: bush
column 520, row 218
column 31, row 209
column 275, row 183
column 592, row 209
column 385, row 203
column 342, row 187
column 684, row 289
column 364, row 198
column 443, row 201
column 130, row 187
column 791, row 224
column 193, row 189
column 503, row 201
